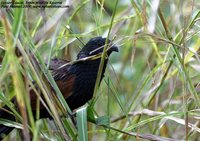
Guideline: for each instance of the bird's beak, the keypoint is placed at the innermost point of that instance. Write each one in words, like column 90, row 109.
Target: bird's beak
column 114, row 48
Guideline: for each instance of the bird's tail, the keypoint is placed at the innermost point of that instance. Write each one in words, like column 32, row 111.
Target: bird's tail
column 5, row 130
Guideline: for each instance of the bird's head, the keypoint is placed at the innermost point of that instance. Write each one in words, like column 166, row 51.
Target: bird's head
column 95, row 46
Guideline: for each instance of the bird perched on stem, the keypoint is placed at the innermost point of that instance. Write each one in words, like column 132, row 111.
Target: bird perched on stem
column 76, row 80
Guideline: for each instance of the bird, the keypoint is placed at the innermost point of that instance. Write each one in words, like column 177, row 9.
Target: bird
column 76, row 81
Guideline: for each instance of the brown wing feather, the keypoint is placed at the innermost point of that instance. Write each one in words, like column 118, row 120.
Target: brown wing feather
column 56, row 63
column 62, row 77
column 66, row 86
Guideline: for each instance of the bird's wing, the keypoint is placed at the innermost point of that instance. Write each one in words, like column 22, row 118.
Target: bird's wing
column 60, row 69
column 56, row 63
column 63, row 78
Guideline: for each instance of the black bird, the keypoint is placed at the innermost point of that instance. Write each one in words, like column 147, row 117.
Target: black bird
column 76, row 81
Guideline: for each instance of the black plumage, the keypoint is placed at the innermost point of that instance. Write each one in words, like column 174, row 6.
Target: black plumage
column 76, row 81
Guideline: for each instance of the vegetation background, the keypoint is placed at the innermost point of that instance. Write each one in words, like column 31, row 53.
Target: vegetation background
column 151, row 87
